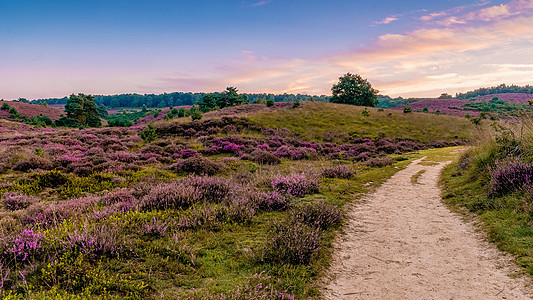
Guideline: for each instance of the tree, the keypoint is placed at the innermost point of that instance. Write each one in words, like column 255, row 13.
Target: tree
column 81, row 112
column 102, row 110
column 353, row 89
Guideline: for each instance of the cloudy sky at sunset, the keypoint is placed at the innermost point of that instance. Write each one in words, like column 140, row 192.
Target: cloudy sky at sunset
column 405, row 48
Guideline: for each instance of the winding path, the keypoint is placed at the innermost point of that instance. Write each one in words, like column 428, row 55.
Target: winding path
column 403, row 243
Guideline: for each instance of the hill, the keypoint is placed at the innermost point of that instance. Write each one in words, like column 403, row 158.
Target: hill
column 323, row 121
column 31, row 110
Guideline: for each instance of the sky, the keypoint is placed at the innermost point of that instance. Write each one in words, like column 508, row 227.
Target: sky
column 409, row 48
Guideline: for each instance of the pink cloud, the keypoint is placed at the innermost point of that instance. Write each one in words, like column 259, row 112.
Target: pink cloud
column 387, row 20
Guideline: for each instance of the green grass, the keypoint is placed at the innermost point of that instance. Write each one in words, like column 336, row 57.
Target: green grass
column 315, row 119
column 414, row 178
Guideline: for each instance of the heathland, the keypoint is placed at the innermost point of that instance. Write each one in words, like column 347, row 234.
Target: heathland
column 244, row 201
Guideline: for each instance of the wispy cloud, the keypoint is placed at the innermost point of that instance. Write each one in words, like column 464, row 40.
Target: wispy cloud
column 259, row 3
column 387, row 20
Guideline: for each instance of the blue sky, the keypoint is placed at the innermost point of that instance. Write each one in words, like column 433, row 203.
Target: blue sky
column 411, row 48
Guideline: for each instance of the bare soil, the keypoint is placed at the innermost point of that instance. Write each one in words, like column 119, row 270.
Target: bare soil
column 404, row 243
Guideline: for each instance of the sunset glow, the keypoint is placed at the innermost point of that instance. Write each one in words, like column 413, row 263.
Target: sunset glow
column 416, row 48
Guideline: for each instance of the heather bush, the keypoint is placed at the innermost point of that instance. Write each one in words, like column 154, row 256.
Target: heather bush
column 211, row 189
column 118, row 196
column 241, row 209
column 202, row 216
column 296, row 185
column 318, row 214
column 198, row 165
column 265, row 157
column 32, row 163
column 155, row 228
column 81, row 168
column 97, row 240
column 509, row 175
column 15, row 201
column 23, row 248
column 293, row 243
column 174, row 195
column 340, row 171
column 379, row 162
column 271, row 201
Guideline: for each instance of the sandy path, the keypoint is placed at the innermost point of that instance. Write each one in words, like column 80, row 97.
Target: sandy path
column 403, row 243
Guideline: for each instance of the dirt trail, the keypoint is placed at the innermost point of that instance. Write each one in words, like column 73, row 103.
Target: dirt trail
column 403, row 243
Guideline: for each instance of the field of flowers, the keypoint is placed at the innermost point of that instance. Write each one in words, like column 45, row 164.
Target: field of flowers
column 222, row 208
column 459, row 107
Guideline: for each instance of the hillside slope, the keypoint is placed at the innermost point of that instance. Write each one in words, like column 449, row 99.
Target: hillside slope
column 329, row 121
column 31, row 110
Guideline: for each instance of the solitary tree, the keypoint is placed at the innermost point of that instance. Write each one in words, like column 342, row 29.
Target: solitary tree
column 82, row 111
column 353, row 89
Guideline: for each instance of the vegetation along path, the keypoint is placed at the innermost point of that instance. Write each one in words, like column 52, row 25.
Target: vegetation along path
column 403, row 243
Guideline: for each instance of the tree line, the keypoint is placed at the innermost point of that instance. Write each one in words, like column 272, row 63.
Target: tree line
column 178, row 99
column 500, row 89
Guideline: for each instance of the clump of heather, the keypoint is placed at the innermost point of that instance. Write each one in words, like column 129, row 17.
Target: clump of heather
column 341, row 171
column 212, row 189
column 296, row 185
column 155, row 228
column 198, row 165
column 201, row 216
column 265, row 157
column 97, row 240
column 32, row 163
column 510, row 175
column 259, row 287
column 379, row 162
column 174, row 195
column 293, row 243
column 272, row 201
column 241, row 209
column 319, row 214
column 21, row 248
column 16, row 200
column 118, row 196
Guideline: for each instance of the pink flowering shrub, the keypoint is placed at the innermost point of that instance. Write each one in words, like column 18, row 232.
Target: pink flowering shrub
column 293, row 243
column 510, row 175
column 198, row 165
column 24, row 248
column 97, row 240
column 33, row 162
column 174, row 195
column 202, row 216
column 210, row 189
column 319, row 215
column 296, row 185
column 341, row 171
column 155, row 228
column 379, row 162
column 16, row 200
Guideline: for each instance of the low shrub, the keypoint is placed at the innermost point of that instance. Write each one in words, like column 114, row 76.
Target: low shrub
column 318, row 214
column 296, row 185
column 509, row 175
column 211, row 189
column 198, row 165
column 171, row 196
column 33, row 162
column 379, row 162
column 16, row 201
column 51, row 178
column 23, row 248
column 341, row 171
column 202, row 216
column 265, row 157
column 97, row 240
column 272, row 201
column 293, row 243
column 155, row 228
column 241, row 209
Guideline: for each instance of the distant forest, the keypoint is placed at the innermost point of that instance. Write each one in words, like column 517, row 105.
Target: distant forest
column 500, row 89
column 177, row 99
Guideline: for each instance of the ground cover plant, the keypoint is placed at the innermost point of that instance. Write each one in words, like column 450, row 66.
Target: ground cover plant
column 200, row 209
column 493, row 180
